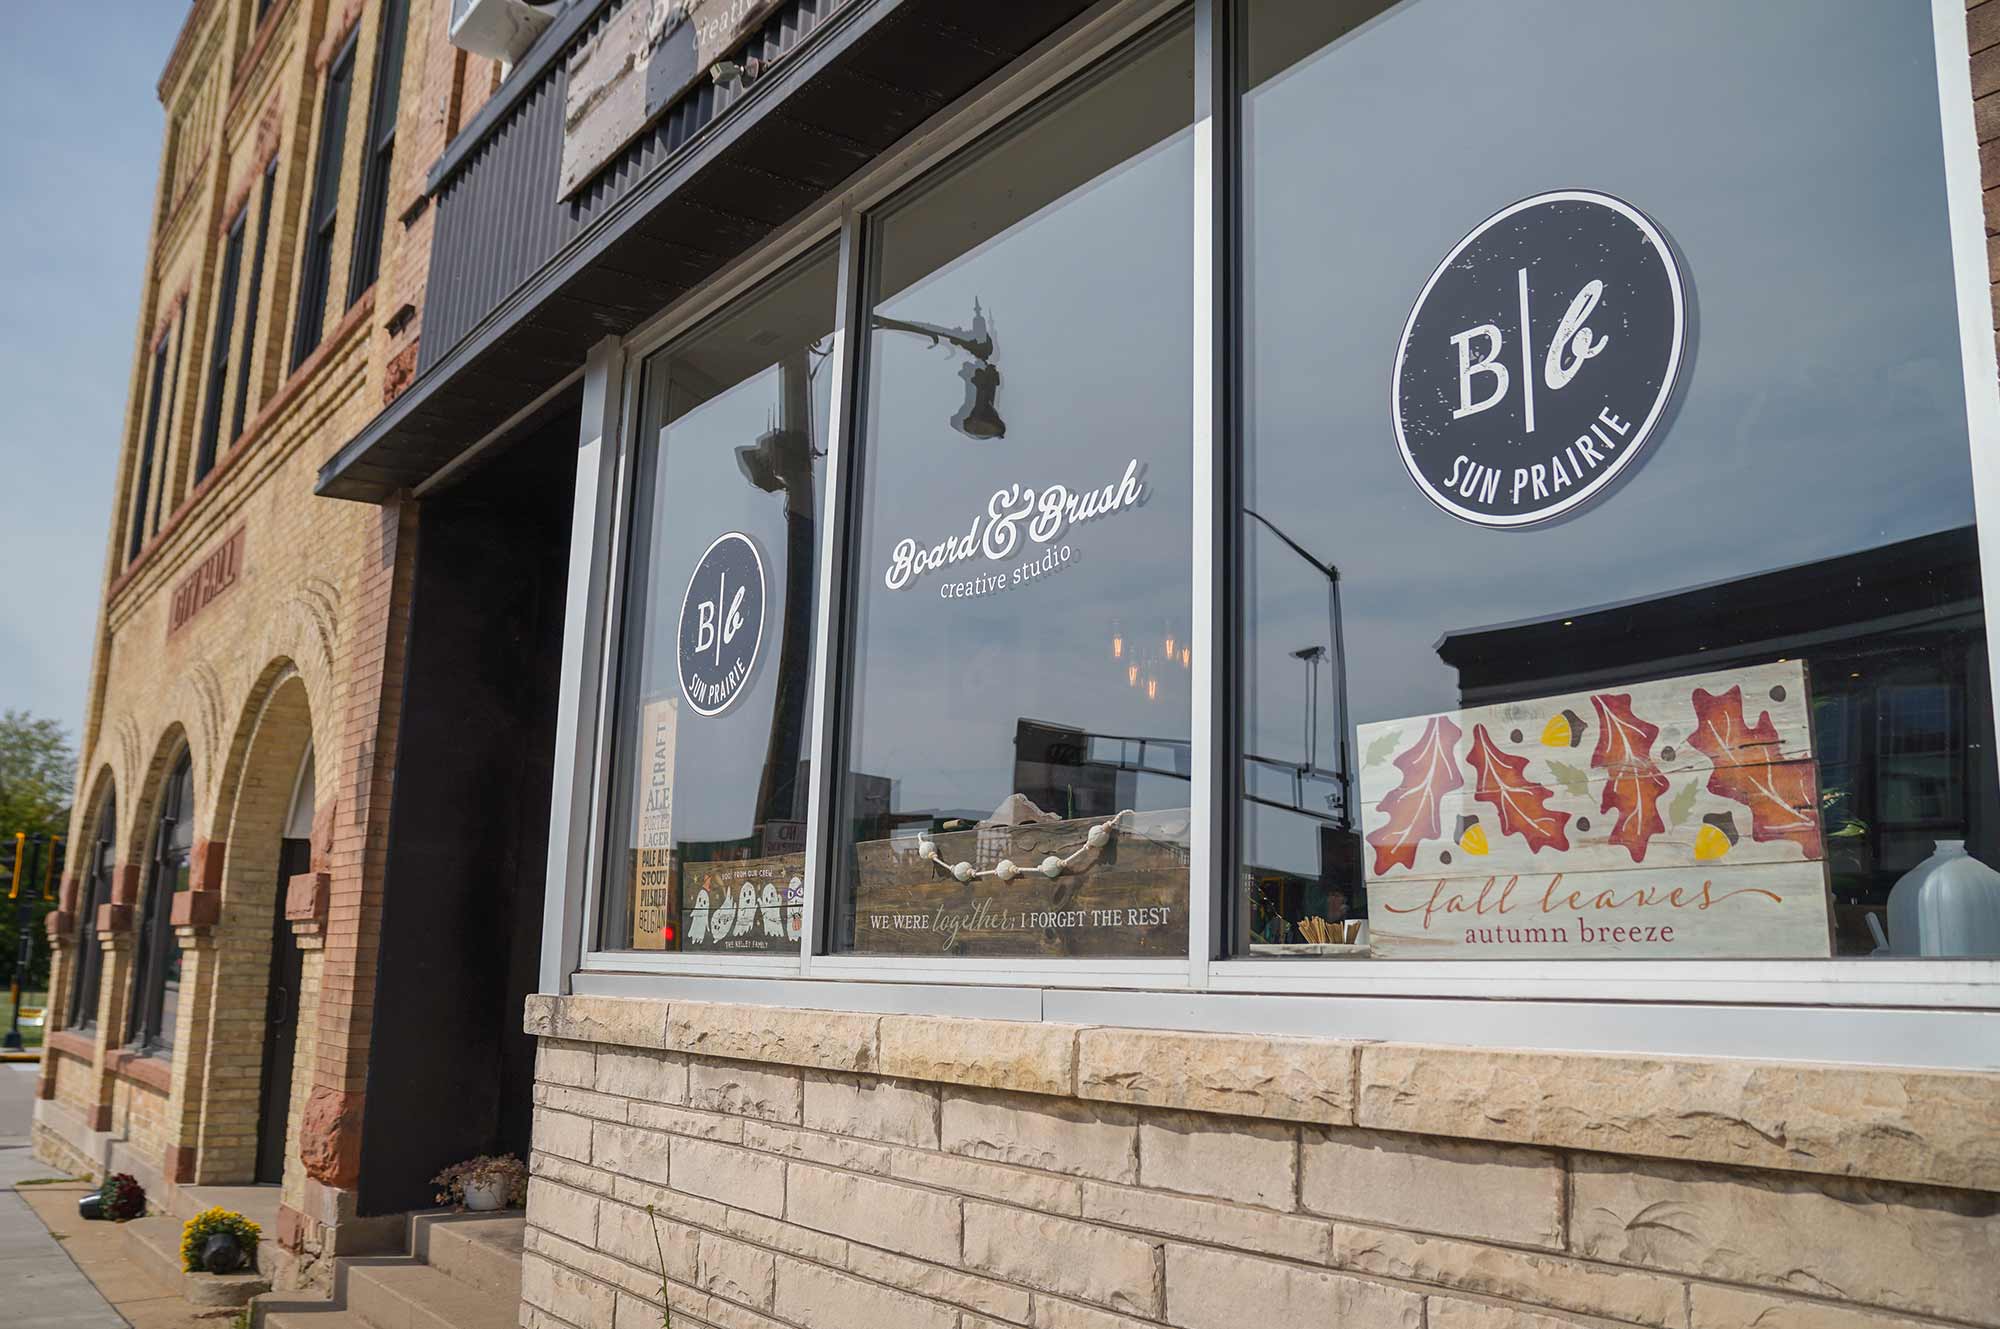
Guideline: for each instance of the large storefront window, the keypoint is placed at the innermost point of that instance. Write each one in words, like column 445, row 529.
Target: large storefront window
column 156, row 978
column 1610, row 574
column 710, row 761
column 1018, row 702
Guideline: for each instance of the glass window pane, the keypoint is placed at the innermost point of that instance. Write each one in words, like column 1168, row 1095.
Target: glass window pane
column 1514, row 692
column 715, row 684
column 1018, row 696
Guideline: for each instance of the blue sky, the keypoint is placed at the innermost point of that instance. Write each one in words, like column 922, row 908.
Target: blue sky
column 79, row 154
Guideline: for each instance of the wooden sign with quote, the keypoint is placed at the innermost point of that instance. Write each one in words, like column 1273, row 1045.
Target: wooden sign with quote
column 1130, row 899
column 1675, row 818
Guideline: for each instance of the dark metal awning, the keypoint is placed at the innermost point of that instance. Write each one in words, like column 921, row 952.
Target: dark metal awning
column 522, row 283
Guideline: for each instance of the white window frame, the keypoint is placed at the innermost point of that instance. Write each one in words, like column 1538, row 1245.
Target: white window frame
column 1943, row 1013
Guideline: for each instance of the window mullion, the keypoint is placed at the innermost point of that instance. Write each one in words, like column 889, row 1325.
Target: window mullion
column 1210, row 806
column 826, row 747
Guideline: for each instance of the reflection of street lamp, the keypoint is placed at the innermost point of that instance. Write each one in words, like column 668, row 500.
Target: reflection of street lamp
column 781, row 462
column 977, row 416
column 1312, row 655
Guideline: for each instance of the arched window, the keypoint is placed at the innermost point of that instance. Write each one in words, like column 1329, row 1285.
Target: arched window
column 89, row 967
column 156, row 979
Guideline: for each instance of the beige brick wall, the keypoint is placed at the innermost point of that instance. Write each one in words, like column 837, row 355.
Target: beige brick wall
column 789, row 1183
column 278, row 661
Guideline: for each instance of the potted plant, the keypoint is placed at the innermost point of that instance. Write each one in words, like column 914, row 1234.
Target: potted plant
column 219, row 1241
column 484, row 1184
column 119, row 1199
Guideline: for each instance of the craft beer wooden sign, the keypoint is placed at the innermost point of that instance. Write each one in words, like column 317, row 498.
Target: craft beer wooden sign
column 1677, row 818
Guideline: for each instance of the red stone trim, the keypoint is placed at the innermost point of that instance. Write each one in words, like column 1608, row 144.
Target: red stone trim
column 152, row 1072
column 164, row 323
column 113, row 919
column 60, row 923
column 180, row 1164
column 293, row 386
column 71, row 888
column 259, row 43
column 337, row 29
column 71, row 1044
column 261, row 155
column 125, row 884
column 330, row 1137
column 197, row 19
column 205, row 864
column 306, row 896
column 196, row 909
column 100, row 1117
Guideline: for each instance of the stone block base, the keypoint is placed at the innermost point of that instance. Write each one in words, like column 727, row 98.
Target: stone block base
column 761, row 1163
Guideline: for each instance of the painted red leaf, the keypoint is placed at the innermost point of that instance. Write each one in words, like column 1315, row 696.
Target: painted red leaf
column 1781, row 792
column 1633, row 785
column 1522, row 804
column 1430, row 771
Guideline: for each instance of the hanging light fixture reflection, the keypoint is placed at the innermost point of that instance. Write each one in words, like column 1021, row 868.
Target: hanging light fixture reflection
column 1132, row 675
column 1117, row 647
column 1152, row 688
column 1186, row 656
column 1170, row 645
column 977, row 416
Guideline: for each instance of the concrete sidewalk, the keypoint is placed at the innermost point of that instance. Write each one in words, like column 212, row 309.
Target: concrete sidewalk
column 41, row 1286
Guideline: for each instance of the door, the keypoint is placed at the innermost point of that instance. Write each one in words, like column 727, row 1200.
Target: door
column 281, row 1021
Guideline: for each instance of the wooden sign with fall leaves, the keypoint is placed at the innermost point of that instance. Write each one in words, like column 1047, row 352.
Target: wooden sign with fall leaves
column 1670, row 818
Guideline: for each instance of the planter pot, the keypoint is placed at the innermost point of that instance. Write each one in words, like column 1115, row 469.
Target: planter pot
column 483, row 1197
column 90, row 1206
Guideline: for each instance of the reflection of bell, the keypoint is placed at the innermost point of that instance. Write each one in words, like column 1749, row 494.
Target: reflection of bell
column 977, row 418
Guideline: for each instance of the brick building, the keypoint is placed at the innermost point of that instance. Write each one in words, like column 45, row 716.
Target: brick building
column 215, row 943
column 1230, row 661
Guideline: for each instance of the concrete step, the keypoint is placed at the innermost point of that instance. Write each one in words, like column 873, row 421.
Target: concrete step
column 404, row 1293
column 480, row 1250
column 155, row 1243
column 320, row 1318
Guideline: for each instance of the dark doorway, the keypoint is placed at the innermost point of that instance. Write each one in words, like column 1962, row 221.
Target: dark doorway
column 450, row 1072
column 281, row 1021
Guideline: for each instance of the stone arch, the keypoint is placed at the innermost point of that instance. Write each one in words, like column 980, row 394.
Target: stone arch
column 73, row 926
column 147, row 783
column 259, row 777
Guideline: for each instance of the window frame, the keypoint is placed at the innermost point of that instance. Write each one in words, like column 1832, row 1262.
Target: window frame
column 371, row 215
column 145, row 1016
column 142, row 478
column 1893, row 1009
column 254, row 300
column 322, row 220
column 96, row 890
column 228, row 288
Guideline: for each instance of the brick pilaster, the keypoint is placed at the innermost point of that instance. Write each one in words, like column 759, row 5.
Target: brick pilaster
column 330, row 1133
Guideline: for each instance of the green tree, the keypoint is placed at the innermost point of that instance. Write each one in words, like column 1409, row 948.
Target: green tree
column 36, row 768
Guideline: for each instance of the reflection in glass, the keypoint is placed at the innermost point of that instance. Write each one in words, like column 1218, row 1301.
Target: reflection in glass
column 156, row 975
column 1806, row 506
column 1016, row 778
column 709, row 761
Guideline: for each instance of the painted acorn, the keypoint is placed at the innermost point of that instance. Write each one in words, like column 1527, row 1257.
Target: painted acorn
column 1564, row 730
column 1471, row 836
column 1717, row 836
